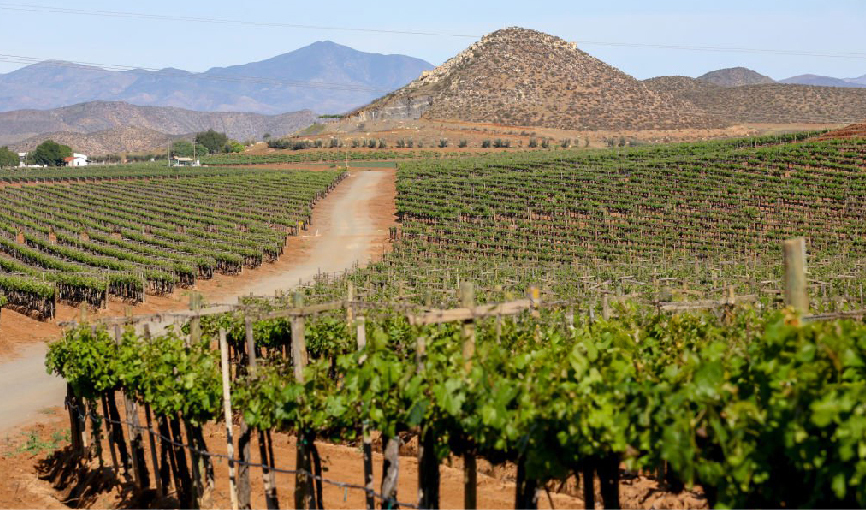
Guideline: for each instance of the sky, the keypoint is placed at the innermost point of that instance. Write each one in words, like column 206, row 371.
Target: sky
column 834, row 28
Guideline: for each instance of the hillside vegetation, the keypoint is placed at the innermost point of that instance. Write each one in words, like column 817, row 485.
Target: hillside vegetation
column 773, row 103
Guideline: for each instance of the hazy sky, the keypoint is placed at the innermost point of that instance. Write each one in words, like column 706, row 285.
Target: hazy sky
column 830, row 26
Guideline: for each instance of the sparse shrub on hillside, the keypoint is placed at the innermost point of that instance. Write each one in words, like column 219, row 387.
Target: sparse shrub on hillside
column 297, row 146
column 545, row 143
column 279, row 144
column 485, row 144
column 533, row 143
column 497, row 144
column 319, row 143
column 334, row 143
column 443, row 143
column 462, row 144
column 371, row 143
column 410, row 143
column 622, row 141
column 586, row 143
column 383, row 144
column 401, row 143
column 355, row 144
column 565, row 143
column 420, row 144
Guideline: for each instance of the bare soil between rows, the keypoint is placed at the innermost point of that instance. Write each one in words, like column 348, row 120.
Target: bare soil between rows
column 43, row 477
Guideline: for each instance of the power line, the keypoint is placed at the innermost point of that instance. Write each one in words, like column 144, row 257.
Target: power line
column 161, row 17
column 270, row 24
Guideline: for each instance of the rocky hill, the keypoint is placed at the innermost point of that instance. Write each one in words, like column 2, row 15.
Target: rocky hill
column 735, row 77
column 520, row 77
column 770, row 103
column 110, row 141
column 324, row 76
column 97, row 116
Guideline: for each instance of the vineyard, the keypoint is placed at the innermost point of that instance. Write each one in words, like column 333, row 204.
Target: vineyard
column 107, row 173
column 83, row 243
column 308, row 156
column 758, row 410
column 654, row 335
column 704, row 216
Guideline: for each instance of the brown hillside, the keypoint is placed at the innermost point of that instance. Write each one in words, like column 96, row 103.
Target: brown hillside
column 773, row 103
column 106, row 115
column 852, row 131
column 110, row 141
column 521, row 77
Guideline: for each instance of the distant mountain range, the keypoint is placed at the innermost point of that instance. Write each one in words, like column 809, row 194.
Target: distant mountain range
column 324, row 77
column 26, row 128
column 741, row 76
column 827, row 81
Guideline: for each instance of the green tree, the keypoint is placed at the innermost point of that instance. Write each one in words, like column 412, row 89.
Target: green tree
column 184, row 149
column 214, row 141
column 49, row 153
column 233, row 147
column 7, row 157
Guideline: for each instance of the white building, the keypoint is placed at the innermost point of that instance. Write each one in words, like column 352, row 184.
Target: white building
column 22, row 157
column 178, row 161
column 77, row 160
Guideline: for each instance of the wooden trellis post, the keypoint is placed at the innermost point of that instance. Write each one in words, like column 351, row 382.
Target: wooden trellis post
column 227, row 407
column 428, row 463
column 368, row 441
column 795, row 275
column 470, row 469
column 299, row 362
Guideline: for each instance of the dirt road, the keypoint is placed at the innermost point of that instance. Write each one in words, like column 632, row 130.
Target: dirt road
column 28, row 388
column 350, row 225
